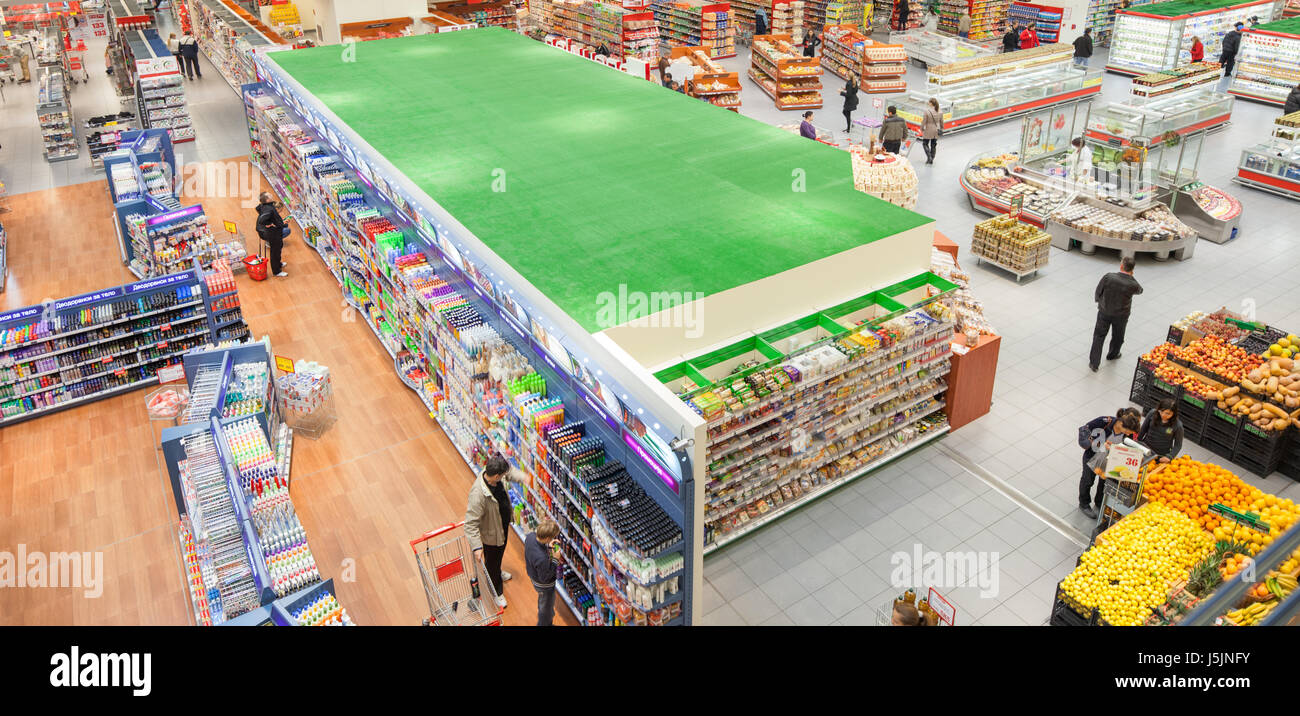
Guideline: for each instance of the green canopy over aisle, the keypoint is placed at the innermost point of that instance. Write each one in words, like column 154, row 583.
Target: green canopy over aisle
column 584, row 178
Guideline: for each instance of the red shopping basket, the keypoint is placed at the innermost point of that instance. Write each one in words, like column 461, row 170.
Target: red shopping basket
column 256, row 267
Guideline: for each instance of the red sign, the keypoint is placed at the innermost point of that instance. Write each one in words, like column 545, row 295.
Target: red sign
column 943, row 608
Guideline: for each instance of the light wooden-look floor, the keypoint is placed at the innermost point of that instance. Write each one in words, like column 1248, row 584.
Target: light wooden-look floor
column 89, row 479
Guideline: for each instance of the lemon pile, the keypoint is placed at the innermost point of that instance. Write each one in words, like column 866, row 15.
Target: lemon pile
column 1131, row 572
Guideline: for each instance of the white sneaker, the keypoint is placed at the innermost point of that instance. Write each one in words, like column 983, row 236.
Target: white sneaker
column 501, row 602
column 282, row 274
column 505, row 576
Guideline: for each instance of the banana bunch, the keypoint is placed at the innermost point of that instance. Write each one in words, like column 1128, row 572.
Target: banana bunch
column 1281, row 585
column 1252, row 614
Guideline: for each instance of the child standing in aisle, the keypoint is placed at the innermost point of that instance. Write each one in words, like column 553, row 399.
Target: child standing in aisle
column 540, row 552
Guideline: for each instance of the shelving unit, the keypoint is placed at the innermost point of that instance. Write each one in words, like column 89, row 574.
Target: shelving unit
column 228, row 35
column 626, row 33
column 709, row 26
column 986, row 17
column 842, row 50
column 790, row 79
column 4, row 267
column 883, row 68
column 994, row 88
column 1274, row 165
column 159, row 85
column 54, row 115
column 711, row 81
column 1046, row 18
column 1268, row 64
column 885, row 15
column 819, row 13
column 1158, row 37
column 500, row 13
column 99, row 344
column 784, row 17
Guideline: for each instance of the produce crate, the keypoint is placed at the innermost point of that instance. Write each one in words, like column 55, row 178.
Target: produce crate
column 1067, row 612
column 1143, row 374
column 1290, row 465
column 1260, row 451
column 1161, row 390
column 1221, row 431
column 1193, row 412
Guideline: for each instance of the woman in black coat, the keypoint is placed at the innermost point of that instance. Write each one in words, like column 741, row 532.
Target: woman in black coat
column 850, row 93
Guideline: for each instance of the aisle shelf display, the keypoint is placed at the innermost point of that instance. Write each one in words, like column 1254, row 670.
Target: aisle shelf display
column 711, row 81
column 1158, row 36
column 501, row 13
column 784, row 74
column 159, row 85
column 883, row 68
column 626, row 33
column 706, row 25
column 229, row 36
column 885, row 15
column 986, row 17
column 1268, row 63
column 1274, row 165
column 842, row 50
column 994, row 88
column 819, row 13
column 1101, row 18
column 54, row 115
column 784, row 17
column 99, row 344
column 934, row 48
column 4, row 267
column 422, row 280
column 1046, row 19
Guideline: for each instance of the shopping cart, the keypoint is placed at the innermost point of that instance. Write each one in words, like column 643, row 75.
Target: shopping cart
column 455, row 582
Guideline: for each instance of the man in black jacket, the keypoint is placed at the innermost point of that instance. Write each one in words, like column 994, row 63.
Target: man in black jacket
column 1292, row 101
column 189, row 48
column 539, row 560
column 1083, row 48
column 1114, row 297
column 271, row 228
column 1011, row 40
column 1231, row 42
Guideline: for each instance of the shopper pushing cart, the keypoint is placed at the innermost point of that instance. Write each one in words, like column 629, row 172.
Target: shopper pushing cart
column 455, row 583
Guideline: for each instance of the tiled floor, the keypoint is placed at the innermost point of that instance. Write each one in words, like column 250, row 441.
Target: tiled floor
column 831, row 562
column 218, row 114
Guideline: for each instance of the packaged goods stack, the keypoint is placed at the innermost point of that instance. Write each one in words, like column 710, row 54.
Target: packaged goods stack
column 696, row 24
column 711, row 81
column 883, row 68
column 1009, row 243
column 842, row 50
column 884, row 176
column 780, row 69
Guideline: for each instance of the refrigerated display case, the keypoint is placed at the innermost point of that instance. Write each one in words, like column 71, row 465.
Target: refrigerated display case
column 993, row 97
column 1159, row 36
column 1274, row 164
column 933, row 48
column 1268, row 64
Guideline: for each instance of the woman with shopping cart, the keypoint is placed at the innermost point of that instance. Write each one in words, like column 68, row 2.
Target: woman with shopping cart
column 487, row 521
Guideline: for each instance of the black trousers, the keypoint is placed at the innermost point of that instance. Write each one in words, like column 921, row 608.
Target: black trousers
column 1227, row 61
column 276, row 245
column 191, row 66
column 1115, row 325
column 545, row 605
column 848, row 119
column 930, row 146
column 1085, row 487
column 892, row 145
column 492, row 556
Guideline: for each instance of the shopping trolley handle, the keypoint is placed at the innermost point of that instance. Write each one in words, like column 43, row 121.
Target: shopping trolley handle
column 434, row 533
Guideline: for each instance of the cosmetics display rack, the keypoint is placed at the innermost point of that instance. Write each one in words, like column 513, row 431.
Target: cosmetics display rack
column 883, row 67
column 810, row 405
column 99, row 344
column 503, row 343
column 626, row 33
column 228, row 35
column 932, row 48
column 4, row 267
column 159, row 85
column 696, row 24
column 1046, row 19
column 162, row 243
column 711, row 81
column 54, row 114
column 1274, row 165
column 784, row 17
column 780, row 69
column 1268, row 63
column 994, row 88
column 1158, row 36
column 842, row 50
column 986, row 17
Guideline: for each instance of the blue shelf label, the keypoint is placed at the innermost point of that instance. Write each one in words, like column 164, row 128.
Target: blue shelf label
column 600, row 410
column 174, row 215
column 87, row 298
column 161, row 281
column 29, row 312
column 658, row 469
column 513, row 326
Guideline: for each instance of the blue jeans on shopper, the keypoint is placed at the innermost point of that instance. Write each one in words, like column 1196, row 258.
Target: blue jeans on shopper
column 1081, row 62
column 545, row 604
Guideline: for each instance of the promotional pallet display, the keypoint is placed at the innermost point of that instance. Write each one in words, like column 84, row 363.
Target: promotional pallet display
column 228, row 35
column 1274, row 164
column 986, row 17
column 842, row 50
column 1268, row 63
column 54, row 114
column 464, row 293
column 1046, row 19
column 711, row 81
column 159, row 85
column 1159, row 35
column 700, row 24
column 995, row 88
column 626, row 33
column 779, row 68
column 101, row 344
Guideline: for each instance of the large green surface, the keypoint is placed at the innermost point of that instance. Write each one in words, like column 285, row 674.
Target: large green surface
column 609, row 179
column 1289, row 26
column 1185, row 7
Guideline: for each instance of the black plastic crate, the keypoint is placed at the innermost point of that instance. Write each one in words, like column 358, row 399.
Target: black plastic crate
column 1140, row 391
column 1222, row 426
column 1260, row 451
column 1067, row 612
column 1161, row 390
column 1192, row 412
column 1290, row 467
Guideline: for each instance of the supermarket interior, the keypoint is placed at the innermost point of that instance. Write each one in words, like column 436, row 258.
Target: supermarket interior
column 815, row 355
